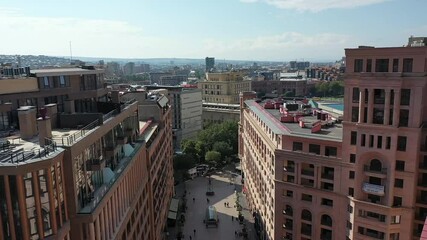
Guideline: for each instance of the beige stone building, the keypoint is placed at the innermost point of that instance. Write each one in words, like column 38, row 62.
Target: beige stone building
column 223, row 87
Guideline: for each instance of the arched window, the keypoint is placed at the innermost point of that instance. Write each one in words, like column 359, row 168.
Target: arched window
column 375, row 165
column 306, row 215
column 288, row 210
column 326, row 220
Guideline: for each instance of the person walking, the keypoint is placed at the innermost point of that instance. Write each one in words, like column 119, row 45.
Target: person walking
column 190, row 237
column 194, row 231
column 194, row 199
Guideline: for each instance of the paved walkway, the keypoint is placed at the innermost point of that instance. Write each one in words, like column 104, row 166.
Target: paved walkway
column 224, row 192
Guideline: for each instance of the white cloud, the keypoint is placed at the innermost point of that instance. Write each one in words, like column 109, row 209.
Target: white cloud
column 90, row 37
column 316, row 5
column 289, row 45
column 23, row 34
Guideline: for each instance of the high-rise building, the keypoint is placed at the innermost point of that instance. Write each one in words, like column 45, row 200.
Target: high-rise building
column 129, row 68
column 90, row 171
column 210, row 63
column 307, row 176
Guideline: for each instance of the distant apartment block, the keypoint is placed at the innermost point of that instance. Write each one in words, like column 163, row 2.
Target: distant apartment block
column 297, row 86
column 219, row 112
column 186, row 111
column 210, row 63
column 155, row 77
column 308, row 176
column 295, row 65
column 173, row 80
column 223, row 87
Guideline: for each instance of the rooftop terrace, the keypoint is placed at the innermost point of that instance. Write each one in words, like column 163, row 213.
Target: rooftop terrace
column 330, row 128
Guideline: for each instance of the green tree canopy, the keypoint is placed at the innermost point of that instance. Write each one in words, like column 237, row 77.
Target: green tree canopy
column 213, row 158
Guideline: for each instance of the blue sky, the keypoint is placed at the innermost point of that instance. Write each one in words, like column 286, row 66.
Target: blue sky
column 313, row 30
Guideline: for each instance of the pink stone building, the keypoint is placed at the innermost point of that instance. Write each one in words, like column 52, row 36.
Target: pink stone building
column 364, row 178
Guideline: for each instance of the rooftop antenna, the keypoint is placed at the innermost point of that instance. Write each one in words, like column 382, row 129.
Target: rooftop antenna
column 71, row 53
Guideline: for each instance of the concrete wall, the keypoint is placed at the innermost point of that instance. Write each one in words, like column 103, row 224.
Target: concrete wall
column 18, row 85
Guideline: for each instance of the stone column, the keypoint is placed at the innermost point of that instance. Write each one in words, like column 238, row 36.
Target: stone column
column 27, row 121
column 45, row 129
column 370, row 104
column 387, row 107
column 396, row 108
column 52, row 112
column 361, row 105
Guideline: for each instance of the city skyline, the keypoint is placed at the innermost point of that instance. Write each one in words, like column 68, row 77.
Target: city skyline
column 258, row 30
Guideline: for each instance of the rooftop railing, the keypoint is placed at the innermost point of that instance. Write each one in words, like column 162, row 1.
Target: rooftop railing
column 20, row 156
column 71, row 139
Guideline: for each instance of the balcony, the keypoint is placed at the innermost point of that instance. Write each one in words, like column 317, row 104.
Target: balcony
column 95, row 164
column 122, row 140
column 375, row 172
column 422, row 200
column 373, row 189
column 422, row 183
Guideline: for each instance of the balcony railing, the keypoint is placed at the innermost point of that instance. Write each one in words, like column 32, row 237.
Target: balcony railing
column 99, row 194
column 367, row 168
column 373, row 189
column 71, row 139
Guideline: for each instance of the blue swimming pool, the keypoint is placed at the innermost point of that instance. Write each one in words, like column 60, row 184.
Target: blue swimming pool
column 337, row 106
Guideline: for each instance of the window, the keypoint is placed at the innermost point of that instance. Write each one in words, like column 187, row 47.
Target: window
column 388, row 143
column 358, row 65
column 363, row 140
column 349, row 208
column 400, row 165
column 371, row 140
column 330, row 151
column 395, row 65
column 395, row 219
column 380, row 142
column 398, row 183
column 289, row 193
column 351, row 174
column 369, row 65
column 354, row 114
column 401, row 143
column 381, row 65
column 327, row 202
column 397, row 201
column 353, row 138
column 351, row 192
column 306, row 197
column 356, row 95
column 352, row 158
column 404, row 118
column 405, row 97
column 297, row 146
column 407, row 64
column 46, row 82
column 378, row 117
column 314, row 148
column 349, row 225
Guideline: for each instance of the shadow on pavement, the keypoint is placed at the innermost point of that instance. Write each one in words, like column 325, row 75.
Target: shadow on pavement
column 196, row 210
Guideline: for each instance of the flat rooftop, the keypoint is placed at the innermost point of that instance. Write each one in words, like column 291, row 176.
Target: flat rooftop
column 64, row 71
column 15, row 151
column 271, row 117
